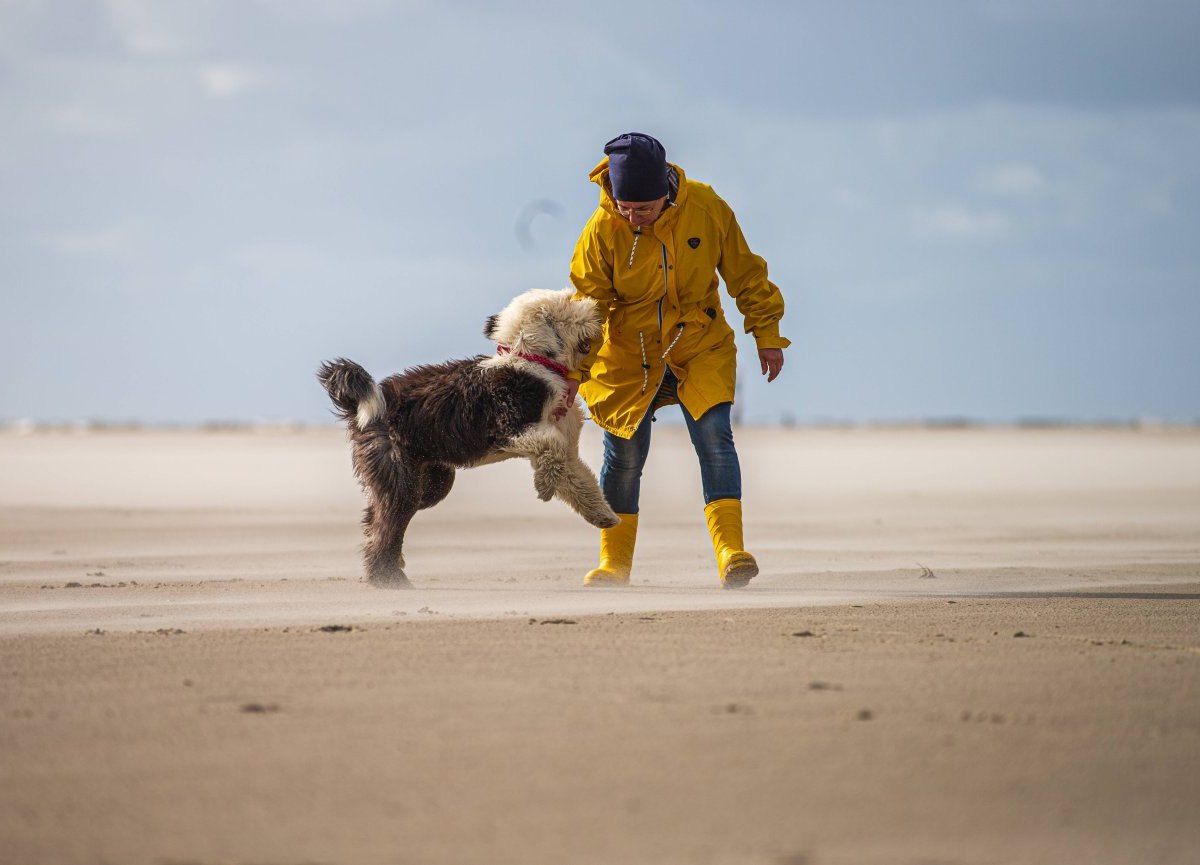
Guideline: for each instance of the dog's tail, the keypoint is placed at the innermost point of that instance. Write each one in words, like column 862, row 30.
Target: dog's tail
column 357, row 396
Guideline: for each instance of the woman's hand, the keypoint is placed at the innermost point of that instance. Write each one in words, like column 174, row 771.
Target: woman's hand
column 568, row 400
column 771, row 361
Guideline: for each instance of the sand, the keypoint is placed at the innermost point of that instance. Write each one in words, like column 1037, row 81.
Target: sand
column 967, row 646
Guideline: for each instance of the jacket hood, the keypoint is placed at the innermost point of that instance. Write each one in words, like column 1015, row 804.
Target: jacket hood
column 599, row 176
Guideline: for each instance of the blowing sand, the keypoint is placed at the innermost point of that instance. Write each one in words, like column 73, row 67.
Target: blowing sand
column 966, row 647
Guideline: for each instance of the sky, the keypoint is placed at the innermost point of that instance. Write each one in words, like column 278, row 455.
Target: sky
column 983, row 209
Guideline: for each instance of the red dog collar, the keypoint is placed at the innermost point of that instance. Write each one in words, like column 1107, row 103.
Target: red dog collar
column 548, row 363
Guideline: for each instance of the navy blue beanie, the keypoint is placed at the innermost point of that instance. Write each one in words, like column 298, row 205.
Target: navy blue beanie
column 637, row 167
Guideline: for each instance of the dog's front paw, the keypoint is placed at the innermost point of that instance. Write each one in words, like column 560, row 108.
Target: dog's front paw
column 547, row 478
column 543, row 482
column 603, row 519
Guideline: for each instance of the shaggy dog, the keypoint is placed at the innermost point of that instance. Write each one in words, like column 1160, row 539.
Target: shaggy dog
column 411, row 431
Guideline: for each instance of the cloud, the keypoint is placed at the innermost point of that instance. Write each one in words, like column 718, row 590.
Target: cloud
column 112, row 241
column 1014, row 179
column 949, row 221
column 224, row 80
column 82, row 119
column 147, row 27
column 343, row 10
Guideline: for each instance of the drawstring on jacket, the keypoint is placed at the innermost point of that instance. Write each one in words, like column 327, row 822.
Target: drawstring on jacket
column 637, row 234
column 646, row 366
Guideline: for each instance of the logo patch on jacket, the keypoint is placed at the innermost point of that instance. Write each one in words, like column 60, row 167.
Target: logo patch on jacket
column 693, row 242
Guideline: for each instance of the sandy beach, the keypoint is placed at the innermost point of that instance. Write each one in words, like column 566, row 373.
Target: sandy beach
column 966, row 646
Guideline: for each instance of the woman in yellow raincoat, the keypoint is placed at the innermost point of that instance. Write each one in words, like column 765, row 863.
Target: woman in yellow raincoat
column 650, row 256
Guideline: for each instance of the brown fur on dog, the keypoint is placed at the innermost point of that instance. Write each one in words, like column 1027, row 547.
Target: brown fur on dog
column 412, row 430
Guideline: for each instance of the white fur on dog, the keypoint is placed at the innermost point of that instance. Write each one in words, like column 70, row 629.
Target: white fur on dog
column 371, row 407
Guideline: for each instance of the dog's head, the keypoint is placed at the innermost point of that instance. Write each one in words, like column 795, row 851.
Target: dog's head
column 549, row 323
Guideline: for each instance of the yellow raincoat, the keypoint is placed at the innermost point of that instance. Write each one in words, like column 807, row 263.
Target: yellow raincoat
column 662, row 297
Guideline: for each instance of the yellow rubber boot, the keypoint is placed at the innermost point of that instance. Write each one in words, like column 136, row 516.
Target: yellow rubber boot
column 616, row 554
column 736, row 566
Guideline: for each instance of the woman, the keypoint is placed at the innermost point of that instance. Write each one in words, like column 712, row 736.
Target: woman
column 650, row 256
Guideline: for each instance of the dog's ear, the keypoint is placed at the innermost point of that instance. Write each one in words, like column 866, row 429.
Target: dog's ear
column 489, row 326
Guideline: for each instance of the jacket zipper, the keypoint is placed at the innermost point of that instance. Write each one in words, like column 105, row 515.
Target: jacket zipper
column 660, row 323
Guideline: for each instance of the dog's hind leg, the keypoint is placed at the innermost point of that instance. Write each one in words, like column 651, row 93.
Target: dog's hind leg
column 436, row 481
column 392, row 484
column 385, row 523
column 388, row 517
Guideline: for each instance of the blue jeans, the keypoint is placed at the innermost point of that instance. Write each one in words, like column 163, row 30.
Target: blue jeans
column 712, row 437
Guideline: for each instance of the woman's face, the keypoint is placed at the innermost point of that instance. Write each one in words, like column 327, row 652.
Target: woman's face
column 641, row 212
